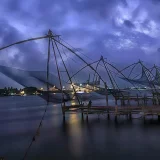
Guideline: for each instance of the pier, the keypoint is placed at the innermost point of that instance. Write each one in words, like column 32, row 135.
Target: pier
column 112, row 110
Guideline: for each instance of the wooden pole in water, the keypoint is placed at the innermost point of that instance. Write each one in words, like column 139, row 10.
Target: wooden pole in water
column 124, row 101
column 121, row 101
column 106, row 93
column 128, row 99
column 144, row 100
column 129, row 111
column 48, row 61
column 153, row 98
column 138, row 99
column 116, row 97
column 106, row 97
column 158, row 116
column 116, row 111
column 158, row 98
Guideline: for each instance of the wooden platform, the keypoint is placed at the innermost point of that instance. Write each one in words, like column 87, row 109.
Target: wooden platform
column 141, row 100
column 114, row 110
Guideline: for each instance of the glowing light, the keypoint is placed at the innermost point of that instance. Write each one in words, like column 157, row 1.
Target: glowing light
column 22, row 92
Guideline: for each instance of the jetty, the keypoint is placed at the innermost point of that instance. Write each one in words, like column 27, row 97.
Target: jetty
column 112, row 110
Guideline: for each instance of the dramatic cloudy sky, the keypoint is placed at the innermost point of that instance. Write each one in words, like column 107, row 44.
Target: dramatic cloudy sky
column 121, row 30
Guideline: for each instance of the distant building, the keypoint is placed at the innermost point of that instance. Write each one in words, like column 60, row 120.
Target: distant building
column 30, row 90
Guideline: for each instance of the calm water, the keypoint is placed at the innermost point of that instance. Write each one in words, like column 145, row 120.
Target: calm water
column 74, row 138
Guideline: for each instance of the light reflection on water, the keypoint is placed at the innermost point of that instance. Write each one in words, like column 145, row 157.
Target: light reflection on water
column 73, row 138
column 76, row 137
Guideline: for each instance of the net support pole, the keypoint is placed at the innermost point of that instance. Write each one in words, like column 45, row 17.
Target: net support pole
column 107, row 98
column 59, row 76
column 48, row 60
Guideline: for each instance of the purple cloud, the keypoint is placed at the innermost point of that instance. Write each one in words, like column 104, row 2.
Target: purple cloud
column 121, row 30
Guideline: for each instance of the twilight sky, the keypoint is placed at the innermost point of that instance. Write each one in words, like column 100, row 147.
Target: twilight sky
column 121, row 30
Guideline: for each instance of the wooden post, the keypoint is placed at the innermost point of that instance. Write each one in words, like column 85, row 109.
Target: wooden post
column 144, row 100
column 158, row 98
column 82, row 113
column 128, row 100
column 159, row 117
column 130, row 114
column 63, row 111
column 128, row 103
column 87, row 113
column 138, row 99
column 153, row 98
column 120, row 98
column 116, row 111
column 116, row 100
column 81, row 105
column 143, row 109
column 124, row 101
column 88, row 108
column 107, row 99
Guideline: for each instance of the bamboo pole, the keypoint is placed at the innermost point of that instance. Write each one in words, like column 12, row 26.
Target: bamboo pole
column 79, row 57
column 48, row 60
column 19, row 42
column 55, row 56
column 67, row 72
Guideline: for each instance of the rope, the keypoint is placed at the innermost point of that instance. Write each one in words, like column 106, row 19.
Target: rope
column 40, row 124
column 36, row 134
column 75, row 48
column 69, row 63
column 66, row 70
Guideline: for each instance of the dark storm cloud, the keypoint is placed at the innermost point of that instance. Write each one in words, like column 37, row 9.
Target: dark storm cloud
column 96, row 27
column 101, row 10
column 128, row 24
column 158, row 49
column 156, row 1
column 28, row 51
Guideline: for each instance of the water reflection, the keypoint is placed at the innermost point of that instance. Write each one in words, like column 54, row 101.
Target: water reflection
column 75, row 135
column 76, row 138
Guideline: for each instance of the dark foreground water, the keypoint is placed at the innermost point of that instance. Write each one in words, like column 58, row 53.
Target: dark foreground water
column 74, row 138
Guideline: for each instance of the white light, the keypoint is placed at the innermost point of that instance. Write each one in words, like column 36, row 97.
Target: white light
column 22, row 92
